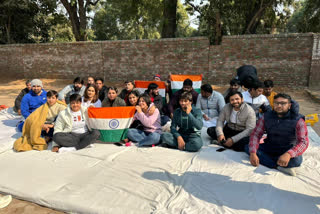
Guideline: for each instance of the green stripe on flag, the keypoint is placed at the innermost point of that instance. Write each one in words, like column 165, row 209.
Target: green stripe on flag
column 113, row 136
column 196, row 89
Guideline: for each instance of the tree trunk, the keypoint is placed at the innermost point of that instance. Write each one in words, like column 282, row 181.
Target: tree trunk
column 218, row 29
column 78, row 22
column 8, row 28
column 169, row 25
column 253, row 18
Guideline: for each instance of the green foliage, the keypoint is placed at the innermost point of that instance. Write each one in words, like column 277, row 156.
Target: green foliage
column 233, row 17
column 306, row 17
column 29, row 21
column 132, row 19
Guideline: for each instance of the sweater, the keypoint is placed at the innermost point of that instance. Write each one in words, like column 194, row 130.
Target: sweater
column 188, row 123
column 31, row 101
column 174, row 101
column 65, row 93
column 151, row 123
column 158, row 102
column 64, row 120
column 117, row 102
column 212, row 105
column 125, row 93
column 256, row 102
column 17, row 102
column 245, row 121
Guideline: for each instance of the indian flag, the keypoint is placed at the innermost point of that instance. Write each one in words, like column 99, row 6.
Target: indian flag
column 141, row 86
column 112, row 122
column 177, row 82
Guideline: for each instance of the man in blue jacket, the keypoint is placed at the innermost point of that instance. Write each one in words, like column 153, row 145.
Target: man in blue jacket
column 32, row 100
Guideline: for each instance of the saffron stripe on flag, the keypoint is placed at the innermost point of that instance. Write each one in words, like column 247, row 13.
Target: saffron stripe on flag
column 112, row 112
column 141, row 86
column 177, row 82
column 145, row 84
column 112, row 122
column 179, row 77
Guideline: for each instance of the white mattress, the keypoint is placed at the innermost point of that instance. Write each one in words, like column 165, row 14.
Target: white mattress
column 111, row 179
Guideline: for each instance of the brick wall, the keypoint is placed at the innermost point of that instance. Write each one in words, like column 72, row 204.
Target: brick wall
column 286, row 59
column 290, row 59
column 314, row 79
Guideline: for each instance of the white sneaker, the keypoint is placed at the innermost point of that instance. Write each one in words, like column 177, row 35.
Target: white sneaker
column 90, row 146
column 5, row 201
column 67, row 149
column 288, row 171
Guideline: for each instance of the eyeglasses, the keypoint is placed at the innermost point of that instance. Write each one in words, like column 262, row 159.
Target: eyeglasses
column 280, row 103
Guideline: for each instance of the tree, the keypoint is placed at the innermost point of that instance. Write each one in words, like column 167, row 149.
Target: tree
column 306, row 17
column 232, row 17
column 169, row 23
column 24, row 21
column 17, row 20
column 77, row 11
column 131, row 19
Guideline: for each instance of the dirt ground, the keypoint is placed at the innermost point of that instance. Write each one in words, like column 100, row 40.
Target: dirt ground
column 10, row 89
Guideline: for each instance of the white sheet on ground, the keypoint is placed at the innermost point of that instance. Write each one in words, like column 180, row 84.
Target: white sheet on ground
column 111, row 179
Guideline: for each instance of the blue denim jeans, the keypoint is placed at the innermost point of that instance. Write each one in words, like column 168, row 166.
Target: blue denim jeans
column 271, row 161
column 143, row 138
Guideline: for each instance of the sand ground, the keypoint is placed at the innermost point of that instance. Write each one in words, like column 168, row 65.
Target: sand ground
column 10, row 89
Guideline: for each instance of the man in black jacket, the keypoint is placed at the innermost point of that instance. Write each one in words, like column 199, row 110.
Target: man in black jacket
column 23, row 92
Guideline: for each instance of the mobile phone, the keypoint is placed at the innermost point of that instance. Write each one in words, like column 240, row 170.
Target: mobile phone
column 118, row 144
column 221, row 149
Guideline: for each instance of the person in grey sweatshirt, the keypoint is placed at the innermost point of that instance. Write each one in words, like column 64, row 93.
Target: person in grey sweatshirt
column 240, row 120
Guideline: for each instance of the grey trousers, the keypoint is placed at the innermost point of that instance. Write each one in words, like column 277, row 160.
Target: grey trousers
column 79, row 141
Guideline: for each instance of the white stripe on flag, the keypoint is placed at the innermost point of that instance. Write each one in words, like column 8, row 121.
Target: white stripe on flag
column 162, row 92
column 179, row 84
column 109, row 124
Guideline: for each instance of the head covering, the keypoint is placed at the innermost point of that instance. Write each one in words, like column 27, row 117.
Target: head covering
column 158, row 76
column 36, row 82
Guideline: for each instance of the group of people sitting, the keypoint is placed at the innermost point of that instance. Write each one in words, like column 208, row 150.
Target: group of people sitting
column 258, row 121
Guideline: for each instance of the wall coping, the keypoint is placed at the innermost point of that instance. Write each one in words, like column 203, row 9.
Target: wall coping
column 254, row 36
column 247, row 36
column 107, row 41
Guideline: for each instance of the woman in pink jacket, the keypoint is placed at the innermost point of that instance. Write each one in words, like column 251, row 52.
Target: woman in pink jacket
column 151, row 124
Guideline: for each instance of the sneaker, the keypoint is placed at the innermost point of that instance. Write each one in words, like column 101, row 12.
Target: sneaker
column 288, row 171
column 5, row 201
column 128, row 143
column 67, row 149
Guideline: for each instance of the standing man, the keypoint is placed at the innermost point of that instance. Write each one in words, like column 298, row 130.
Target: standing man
column 76, row 88
column 36, row 97
column 185, row 127
column 256, row 99
column 103, row 90
column 211, row 104
column 287, row 137
column 240, row 121
column 174, row 101
column 268, row 91
column 17, row 102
